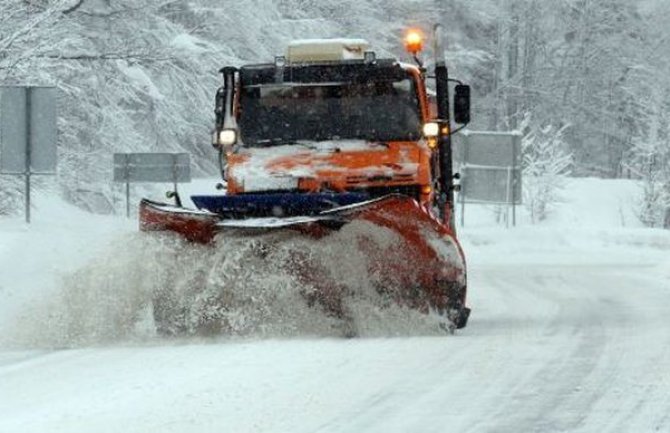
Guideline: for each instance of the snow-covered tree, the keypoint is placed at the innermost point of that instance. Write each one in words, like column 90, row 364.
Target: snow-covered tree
column 140, row 76
column 649, row 159
column 546, row 163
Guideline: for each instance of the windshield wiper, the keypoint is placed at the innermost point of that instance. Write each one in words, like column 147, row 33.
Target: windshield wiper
column 370, row 139
column 268, row 142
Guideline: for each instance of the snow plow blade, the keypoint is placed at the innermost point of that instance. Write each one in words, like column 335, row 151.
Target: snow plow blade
column 424, row 264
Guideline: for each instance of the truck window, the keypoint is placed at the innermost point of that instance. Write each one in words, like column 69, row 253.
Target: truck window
column 384, row 110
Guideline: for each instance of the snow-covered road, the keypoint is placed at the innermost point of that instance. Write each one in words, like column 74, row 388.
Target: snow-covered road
column 569, row 333
column 591, row 354
column 569, row 347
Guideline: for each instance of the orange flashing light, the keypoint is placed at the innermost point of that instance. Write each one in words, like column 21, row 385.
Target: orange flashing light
column 413, row 41
column 426, row 189
column 432, row 142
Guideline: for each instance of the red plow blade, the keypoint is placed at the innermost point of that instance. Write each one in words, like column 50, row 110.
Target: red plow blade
column 423, row 268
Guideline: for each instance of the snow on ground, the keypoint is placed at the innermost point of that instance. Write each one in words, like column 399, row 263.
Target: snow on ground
column 568, row 333
column 595, row 221
column 33, row 258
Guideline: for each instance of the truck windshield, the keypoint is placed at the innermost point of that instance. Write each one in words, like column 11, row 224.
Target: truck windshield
column 386, row 110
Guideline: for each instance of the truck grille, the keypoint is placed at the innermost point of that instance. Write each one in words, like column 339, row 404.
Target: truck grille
column 354, row 180
column 412, row 191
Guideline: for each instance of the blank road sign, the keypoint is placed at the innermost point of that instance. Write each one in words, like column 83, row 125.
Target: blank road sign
column 44, row 129
column 483, row 184
column 13, row 130
column 152, row 167
column 28, row 129
column 488, row 148
column 490, row 162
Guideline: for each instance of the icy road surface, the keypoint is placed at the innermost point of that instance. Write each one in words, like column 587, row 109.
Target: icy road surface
column 569, row 333
column 580, row 347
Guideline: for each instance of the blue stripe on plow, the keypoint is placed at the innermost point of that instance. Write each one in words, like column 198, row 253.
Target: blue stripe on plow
column 275, row 204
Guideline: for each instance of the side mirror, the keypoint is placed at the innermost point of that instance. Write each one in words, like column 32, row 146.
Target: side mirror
column 462, row 104
column 219, row 106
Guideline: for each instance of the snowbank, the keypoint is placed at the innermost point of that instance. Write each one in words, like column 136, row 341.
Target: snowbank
column 34, row 258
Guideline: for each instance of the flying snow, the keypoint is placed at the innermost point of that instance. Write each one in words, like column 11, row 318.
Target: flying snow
column 273, row 285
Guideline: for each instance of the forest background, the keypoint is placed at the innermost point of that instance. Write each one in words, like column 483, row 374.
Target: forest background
column 586, row 81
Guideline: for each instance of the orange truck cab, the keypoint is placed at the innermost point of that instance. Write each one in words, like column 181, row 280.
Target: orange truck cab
column 332, row 123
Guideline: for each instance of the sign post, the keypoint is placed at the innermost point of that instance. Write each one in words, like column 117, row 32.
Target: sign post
column 151, row 167
column 28, row 134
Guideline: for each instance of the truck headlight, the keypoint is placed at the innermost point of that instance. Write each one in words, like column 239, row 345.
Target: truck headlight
column 431, row 129
column 226, row 137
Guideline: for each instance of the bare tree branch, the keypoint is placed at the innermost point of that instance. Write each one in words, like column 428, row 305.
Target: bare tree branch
column 74, row 7
column 107, row 56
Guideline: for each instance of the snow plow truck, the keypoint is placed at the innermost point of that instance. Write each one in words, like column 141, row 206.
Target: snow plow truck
column 329, row 134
